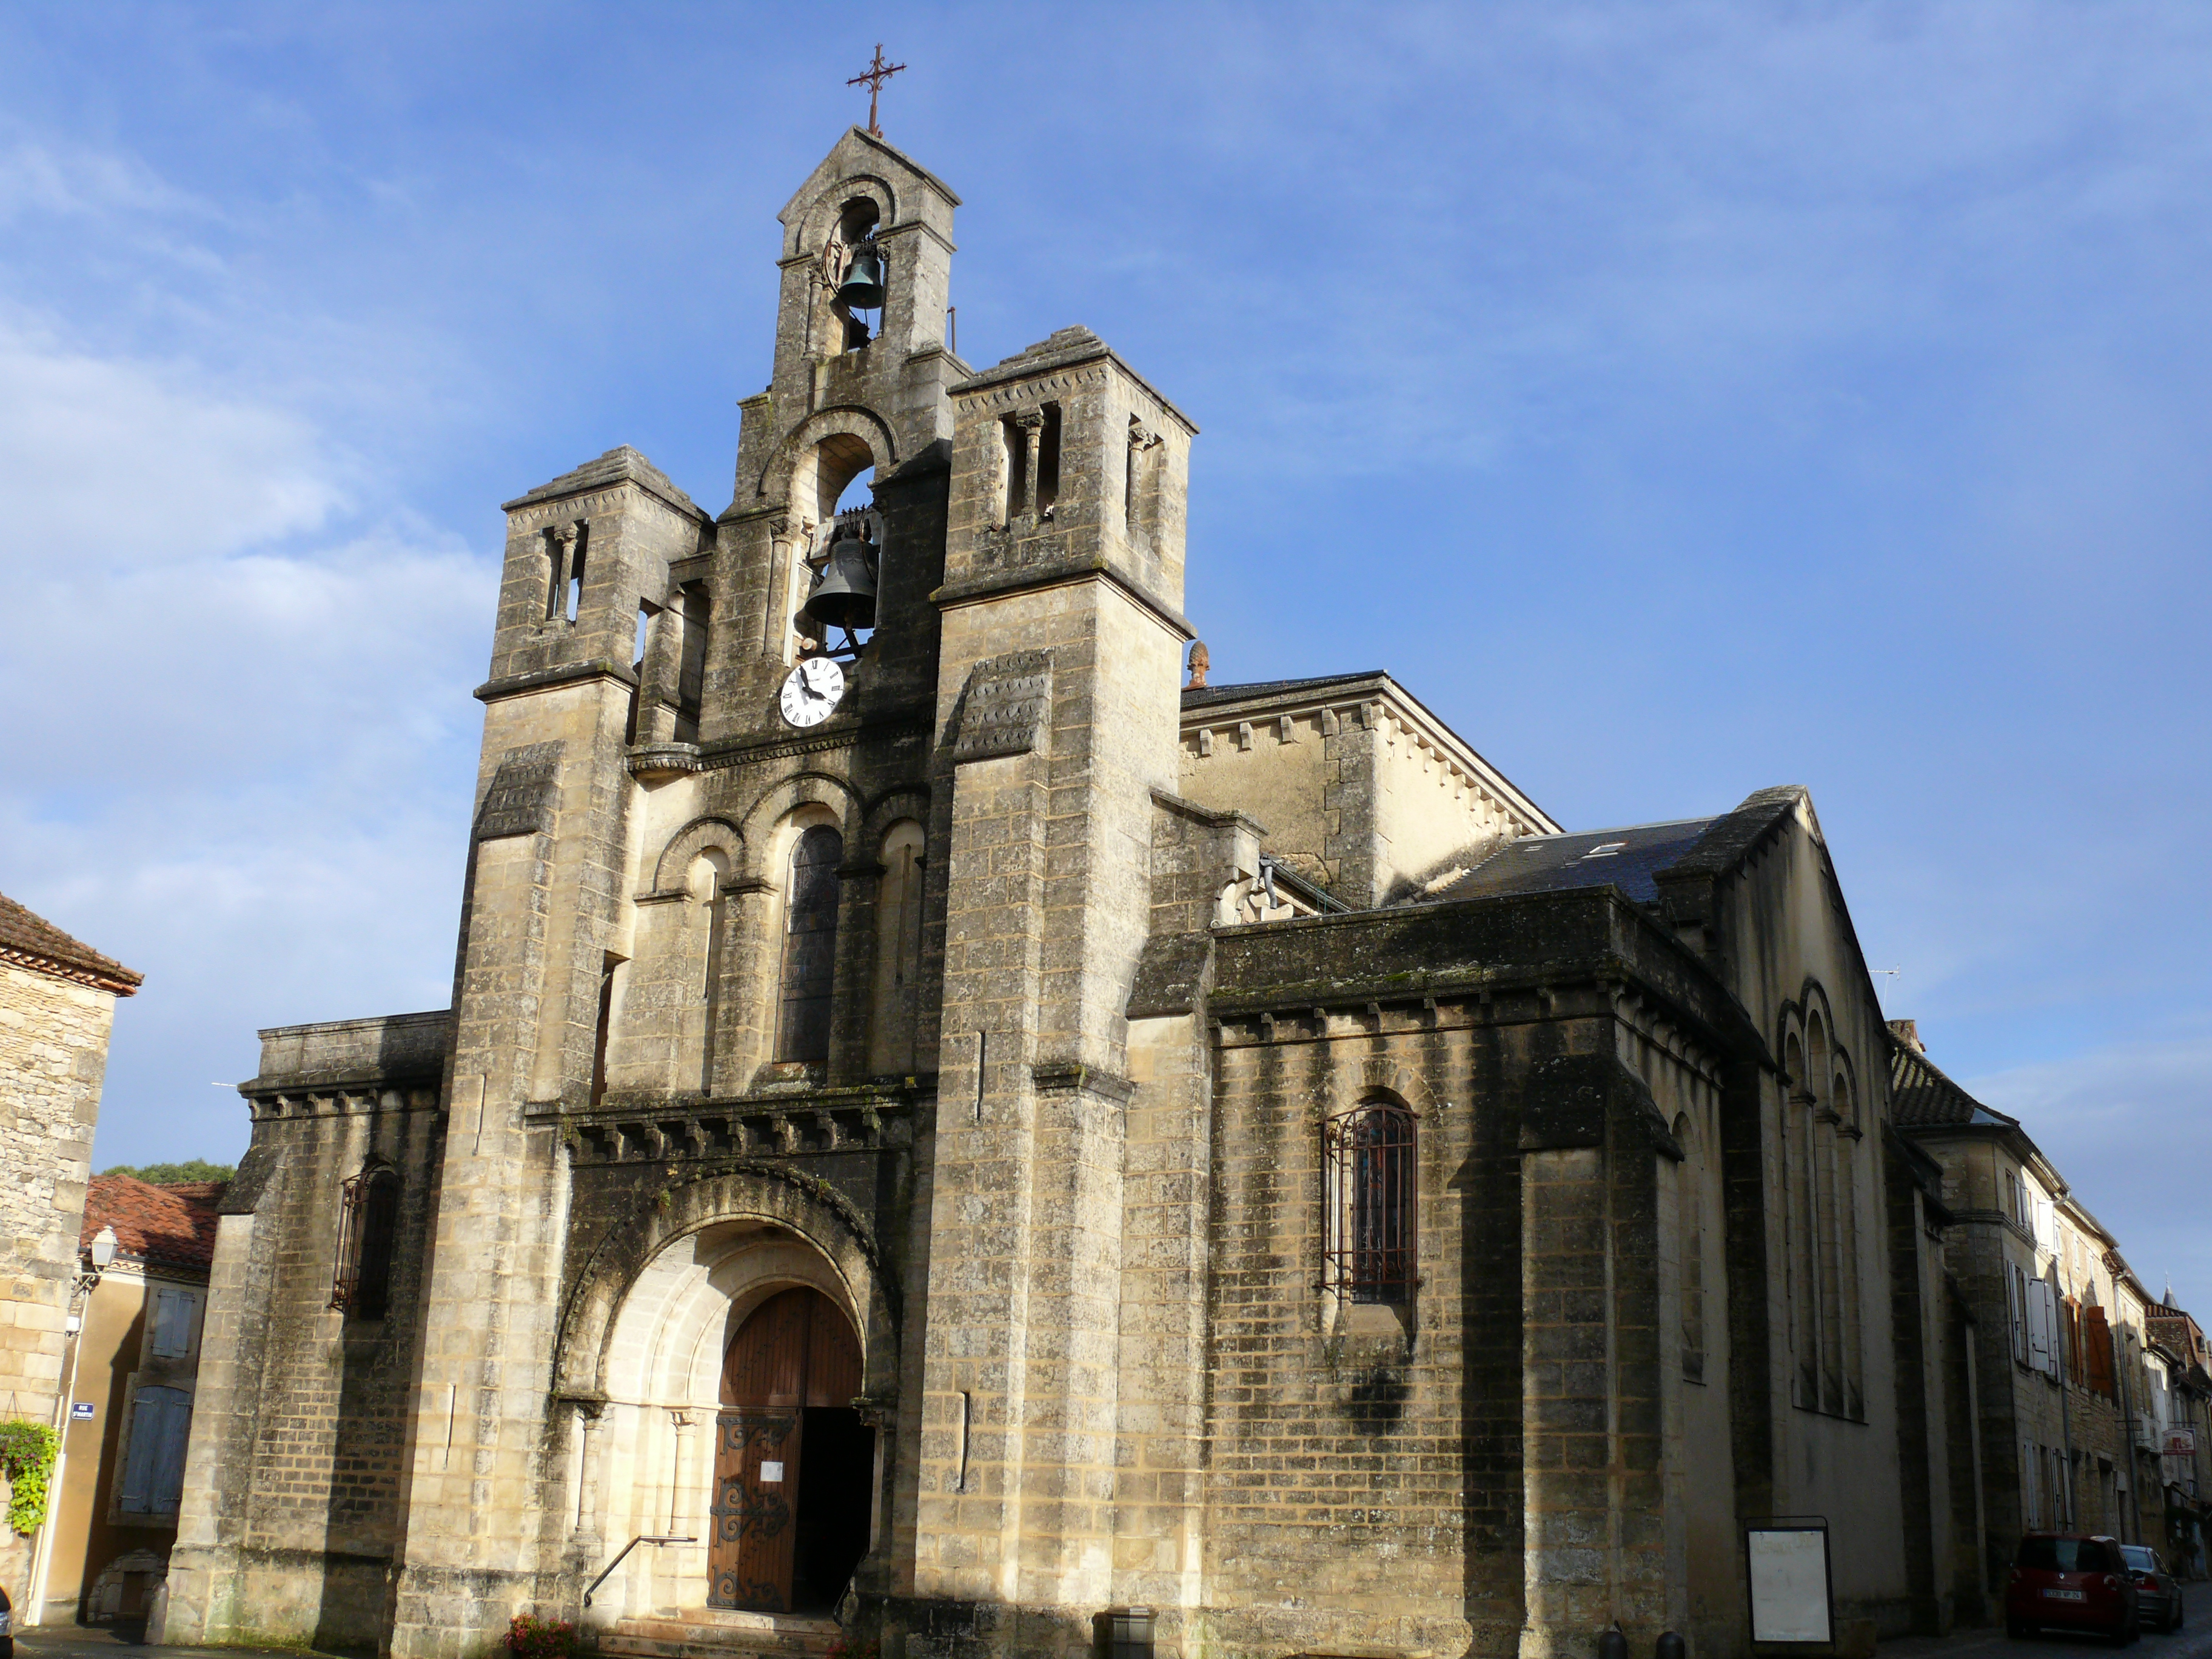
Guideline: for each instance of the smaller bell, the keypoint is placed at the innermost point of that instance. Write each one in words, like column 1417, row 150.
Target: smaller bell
column 862, row 288
column 844, row 595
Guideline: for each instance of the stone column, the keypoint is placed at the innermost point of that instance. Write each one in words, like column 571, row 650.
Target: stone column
column 1030, row 424
column 680, row 1517
column 589, row 1421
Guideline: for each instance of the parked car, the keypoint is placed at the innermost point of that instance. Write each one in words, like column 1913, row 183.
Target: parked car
column 2070, row 1581
column 7, row 1627
column 2158, row 1591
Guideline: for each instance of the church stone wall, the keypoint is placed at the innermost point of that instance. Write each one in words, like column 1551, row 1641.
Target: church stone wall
column 1364, row 1476
column 291, row 1522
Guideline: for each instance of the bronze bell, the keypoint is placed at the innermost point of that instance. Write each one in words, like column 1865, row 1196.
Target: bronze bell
column 844, row 594
column 863, row 287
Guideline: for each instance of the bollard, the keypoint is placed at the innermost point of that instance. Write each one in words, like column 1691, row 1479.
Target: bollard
column 1612, row 1645
column 1670, row 1646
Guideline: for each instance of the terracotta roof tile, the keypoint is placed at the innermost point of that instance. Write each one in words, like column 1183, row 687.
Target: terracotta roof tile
column 31, row 939
column 170, row 1223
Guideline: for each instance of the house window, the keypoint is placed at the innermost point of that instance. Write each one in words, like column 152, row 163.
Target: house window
column 809, row 946
column 154, row 1467
column 368, row 1225
column 171, row 1337
column 1370, row 1159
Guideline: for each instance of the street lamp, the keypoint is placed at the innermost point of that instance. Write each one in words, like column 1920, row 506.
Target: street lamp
column 103, row 1249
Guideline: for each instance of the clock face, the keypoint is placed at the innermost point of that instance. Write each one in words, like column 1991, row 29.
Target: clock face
column 811, row 691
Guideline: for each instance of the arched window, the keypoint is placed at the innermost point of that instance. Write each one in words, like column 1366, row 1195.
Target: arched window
column 898, row 951
column 1372, row 1173
column 368, row 1227
column 809, row 946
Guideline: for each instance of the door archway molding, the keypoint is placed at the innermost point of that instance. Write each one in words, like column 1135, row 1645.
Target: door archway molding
column 740, row 1191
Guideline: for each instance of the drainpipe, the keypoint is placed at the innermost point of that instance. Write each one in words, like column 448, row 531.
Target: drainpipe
column 2065, row 1415
column 2127, row 1437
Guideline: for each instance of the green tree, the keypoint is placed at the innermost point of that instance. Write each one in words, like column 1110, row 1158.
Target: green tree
column 160, row 1175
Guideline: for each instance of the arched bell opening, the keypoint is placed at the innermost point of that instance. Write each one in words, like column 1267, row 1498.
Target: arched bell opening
column 836, row 565
column 794, row 1464
column 855, row 271
column 697, row 1368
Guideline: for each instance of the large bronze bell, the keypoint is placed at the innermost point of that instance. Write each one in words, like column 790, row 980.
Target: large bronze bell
column 862, row 288
column 844, row 594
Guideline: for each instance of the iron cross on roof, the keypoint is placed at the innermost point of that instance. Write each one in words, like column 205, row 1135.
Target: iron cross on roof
column 875, row 75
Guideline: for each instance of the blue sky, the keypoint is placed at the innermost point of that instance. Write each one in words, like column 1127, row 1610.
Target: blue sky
column 1680, row 399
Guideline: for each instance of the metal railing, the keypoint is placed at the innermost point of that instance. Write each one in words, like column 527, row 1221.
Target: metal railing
column 642, row 1538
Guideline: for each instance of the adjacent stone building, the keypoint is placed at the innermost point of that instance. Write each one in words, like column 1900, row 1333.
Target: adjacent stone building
column 942, row 1126
column 2085, row 1391
column 57, row 1005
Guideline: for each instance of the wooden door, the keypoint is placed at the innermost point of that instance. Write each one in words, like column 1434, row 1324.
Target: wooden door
column 794, row 1350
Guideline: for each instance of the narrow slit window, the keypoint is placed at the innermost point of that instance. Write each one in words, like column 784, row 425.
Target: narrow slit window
column 1048, row 469
column 1014, row 458
column 573, row 596
column 1371, row 1162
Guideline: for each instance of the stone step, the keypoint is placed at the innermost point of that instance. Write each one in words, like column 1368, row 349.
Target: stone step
column 718, row 1634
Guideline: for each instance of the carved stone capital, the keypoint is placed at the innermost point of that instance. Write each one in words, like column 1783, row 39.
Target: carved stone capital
column 1030, row 420
column 1142, row 436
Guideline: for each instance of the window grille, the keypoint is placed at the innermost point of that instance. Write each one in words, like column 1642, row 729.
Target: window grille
column 1372, row 1164
column 368, row 1224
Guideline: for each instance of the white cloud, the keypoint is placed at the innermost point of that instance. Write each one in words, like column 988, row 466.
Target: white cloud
column 110, row 463
column 2129, row 1127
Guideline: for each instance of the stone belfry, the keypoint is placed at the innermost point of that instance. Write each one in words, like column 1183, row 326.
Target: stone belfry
column 984, row 780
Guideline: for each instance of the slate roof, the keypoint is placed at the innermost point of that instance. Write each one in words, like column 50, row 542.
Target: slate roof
column 621, row 464
column 1627, row 859
column 32, row 941
column 172, row 1225
column 1205, row 696
column 1921, row 1097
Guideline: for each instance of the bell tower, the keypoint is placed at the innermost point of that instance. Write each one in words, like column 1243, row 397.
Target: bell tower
column 861, row 380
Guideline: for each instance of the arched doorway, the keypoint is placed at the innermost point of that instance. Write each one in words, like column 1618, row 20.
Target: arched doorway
column 794, row 1464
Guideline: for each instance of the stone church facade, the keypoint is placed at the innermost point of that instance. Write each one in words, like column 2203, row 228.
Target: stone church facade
column 964, row 1133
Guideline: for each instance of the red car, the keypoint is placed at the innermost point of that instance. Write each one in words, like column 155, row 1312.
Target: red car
column 2067, row 1581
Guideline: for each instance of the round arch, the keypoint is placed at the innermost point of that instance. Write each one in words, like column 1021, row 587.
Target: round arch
column 659, row 1293
column 827, row 451
column 700, row 835
column 810, row 227
column 781, row 800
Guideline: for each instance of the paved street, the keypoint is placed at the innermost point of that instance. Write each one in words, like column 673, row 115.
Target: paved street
column 2193, row 1642
column 76, row 1642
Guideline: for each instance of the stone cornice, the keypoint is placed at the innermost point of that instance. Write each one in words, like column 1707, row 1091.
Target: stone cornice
column 1347, row 699
column 1064, row 572
column 542, row 679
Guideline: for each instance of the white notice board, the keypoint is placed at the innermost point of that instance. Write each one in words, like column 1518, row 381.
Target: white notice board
column 1789, row 1573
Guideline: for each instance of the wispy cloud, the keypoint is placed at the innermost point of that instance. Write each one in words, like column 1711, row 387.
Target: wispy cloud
column 2131, row 1128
